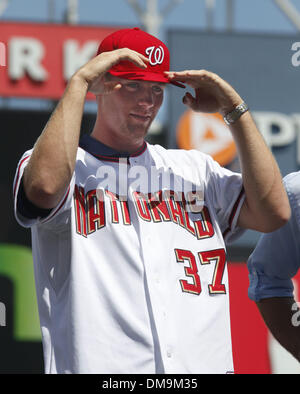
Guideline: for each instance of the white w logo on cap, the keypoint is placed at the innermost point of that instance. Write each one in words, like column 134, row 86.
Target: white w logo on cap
column 155, row 55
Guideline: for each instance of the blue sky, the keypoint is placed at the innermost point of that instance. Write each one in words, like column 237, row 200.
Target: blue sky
column 250, row 15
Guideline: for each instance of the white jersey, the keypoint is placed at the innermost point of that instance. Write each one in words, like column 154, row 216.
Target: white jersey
column 137, row 284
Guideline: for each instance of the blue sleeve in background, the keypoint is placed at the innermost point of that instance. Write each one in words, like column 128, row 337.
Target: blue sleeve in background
column 276, row 258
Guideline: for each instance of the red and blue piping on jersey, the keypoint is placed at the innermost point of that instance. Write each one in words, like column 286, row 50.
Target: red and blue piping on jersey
column 18, row 174
column 37, row 211
column 233, row 213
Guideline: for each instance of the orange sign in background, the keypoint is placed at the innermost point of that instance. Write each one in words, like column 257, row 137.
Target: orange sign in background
column 40, row 58
column 207, row 133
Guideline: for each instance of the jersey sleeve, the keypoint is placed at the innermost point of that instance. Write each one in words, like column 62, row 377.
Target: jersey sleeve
column 276, row 258
column 37, row 216
column 263, row 285
column 224, row 189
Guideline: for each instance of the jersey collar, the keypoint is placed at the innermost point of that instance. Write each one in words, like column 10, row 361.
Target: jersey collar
column 104, row 152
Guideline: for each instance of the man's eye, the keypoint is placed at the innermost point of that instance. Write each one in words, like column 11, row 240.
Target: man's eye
column 132, row 85
column 157, row 89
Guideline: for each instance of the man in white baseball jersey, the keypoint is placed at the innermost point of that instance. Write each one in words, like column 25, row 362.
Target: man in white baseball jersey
column 128, row 238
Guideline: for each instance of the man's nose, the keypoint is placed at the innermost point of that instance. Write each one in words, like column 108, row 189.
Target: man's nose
column 146, row 98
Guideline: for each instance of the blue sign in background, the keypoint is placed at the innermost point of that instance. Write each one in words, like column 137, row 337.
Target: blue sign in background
column 259, row 67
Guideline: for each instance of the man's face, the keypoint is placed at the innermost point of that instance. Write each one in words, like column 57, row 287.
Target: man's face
column 128, row 112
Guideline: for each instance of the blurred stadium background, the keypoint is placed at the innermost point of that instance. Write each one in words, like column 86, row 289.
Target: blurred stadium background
column 255, row 45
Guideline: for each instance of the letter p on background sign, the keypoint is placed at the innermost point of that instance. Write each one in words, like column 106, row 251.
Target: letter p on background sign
column 2, row 54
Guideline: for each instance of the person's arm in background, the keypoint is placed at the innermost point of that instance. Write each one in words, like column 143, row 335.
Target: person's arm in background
column 281, row 317
column 272, row 265
column 266, row 205
column 52, row 162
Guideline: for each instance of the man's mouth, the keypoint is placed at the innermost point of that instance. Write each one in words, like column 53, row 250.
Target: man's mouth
column 140, row 117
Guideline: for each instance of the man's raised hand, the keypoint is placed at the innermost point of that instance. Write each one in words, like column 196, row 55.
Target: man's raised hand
column 93, row 72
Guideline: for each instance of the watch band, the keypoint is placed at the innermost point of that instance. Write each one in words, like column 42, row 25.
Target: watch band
column 236, row 113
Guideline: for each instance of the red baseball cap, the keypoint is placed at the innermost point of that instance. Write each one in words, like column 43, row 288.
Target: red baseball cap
column 144, row 43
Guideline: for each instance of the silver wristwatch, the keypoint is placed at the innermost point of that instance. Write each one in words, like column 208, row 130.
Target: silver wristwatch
column 236, row 113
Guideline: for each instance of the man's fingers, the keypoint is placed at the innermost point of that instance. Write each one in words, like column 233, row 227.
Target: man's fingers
column 132, row 56
column 189, row 73
column 110, row 86
column 190, row 76
column 105, row 60
column 94, row 71
column 189, row 100
column 106, row 87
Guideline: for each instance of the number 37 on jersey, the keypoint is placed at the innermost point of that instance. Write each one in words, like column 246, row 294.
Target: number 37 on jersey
column 217, row 256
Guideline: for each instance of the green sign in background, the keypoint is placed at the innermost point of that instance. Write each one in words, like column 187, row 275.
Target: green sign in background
column 16, row 264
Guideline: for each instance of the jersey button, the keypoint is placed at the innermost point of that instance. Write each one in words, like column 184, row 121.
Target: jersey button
column 169, row 351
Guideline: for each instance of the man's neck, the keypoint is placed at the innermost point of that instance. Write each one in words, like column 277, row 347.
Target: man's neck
column 118, row 144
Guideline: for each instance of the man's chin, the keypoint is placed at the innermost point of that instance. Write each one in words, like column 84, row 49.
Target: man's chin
column 141, row 130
